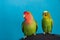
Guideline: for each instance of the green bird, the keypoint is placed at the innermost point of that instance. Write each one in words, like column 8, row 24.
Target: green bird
column 47, row 22
column 29, row 25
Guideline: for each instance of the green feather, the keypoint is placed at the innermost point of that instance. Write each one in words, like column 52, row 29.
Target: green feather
column 29, row 29
column 47, row 25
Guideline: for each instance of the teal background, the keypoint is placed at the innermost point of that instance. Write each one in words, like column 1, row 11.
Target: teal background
column 11, row 16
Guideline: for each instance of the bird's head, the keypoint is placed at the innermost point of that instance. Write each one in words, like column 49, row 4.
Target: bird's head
column 27, row 15
column 46, row 14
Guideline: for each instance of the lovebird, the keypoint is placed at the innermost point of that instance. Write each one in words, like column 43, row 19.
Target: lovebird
column 29, row 25
column 47, row 22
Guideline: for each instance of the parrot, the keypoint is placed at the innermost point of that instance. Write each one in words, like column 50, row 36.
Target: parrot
column 47, row 22
column 29, row 25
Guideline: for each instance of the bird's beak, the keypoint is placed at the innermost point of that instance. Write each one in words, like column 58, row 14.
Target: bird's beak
column 24, row 16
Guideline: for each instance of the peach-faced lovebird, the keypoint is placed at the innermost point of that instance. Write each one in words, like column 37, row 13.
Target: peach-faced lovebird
column 29, row 25
column 47, row 22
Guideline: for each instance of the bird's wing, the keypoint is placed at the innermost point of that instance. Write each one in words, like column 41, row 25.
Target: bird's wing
column 42, row 22
column 23, row 27
column 51, row 22
column 36, row 26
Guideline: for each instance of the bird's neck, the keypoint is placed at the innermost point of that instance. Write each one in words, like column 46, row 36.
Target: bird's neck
column 45, row 17
column 29, row 20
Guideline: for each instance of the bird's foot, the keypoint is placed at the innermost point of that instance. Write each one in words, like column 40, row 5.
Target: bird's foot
column 44, row 33
column 34, row 34
column 25, row 37
column 49, row 33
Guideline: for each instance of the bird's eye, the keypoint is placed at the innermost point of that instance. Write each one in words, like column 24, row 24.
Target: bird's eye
column 26, row 13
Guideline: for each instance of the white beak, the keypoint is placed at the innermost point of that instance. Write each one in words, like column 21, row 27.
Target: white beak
column 23, row 15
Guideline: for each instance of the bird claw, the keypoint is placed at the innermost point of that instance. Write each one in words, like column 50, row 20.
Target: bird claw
column 25, row 37
column 49, row 32
column 44, row 33
column 34, row 34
